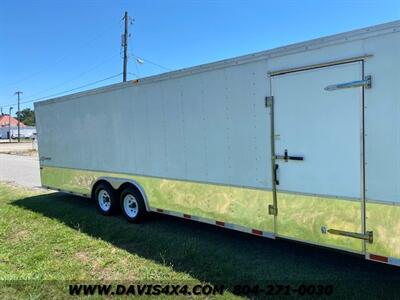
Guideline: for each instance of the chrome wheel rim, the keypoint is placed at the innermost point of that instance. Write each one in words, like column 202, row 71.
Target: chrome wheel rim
column 104, row 200
column 130, row 206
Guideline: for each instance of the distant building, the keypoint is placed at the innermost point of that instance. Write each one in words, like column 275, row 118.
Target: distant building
column 9, row 126
column 6, row 120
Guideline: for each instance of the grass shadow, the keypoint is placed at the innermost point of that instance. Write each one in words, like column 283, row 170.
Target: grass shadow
column 218, row 255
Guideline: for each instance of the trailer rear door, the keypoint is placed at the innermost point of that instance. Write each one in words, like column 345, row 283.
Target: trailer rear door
column 318, row 154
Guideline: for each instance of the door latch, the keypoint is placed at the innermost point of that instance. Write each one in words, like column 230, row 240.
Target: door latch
column 366, row 83
column 287, row 157
column 367, row 236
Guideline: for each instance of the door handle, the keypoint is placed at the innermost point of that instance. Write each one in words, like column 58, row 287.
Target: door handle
column 275, row 174
column 287, row 157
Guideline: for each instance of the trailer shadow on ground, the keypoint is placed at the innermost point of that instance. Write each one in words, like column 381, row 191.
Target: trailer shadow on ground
column 220, row 256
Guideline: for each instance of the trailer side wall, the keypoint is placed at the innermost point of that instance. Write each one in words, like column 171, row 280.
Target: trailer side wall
column 199, row 144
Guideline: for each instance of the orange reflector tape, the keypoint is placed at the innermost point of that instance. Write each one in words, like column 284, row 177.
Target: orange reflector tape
column 255, row 231
column 379, row 258
column 217, row 223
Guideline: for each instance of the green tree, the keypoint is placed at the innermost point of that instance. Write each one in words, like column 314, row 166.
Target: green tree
column 27, row 116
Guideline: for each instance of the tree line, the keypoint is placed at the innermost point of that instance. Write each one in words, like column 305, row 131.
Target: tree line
column 27, row 116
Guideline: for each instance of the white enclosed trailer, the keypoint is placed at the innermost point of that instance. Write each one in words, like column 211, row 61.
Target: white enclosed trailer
column 300, row 142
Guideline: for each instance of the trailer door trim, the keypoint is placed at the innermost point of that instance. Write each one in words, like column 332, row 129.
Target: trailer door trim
column 347, row 71
column 320, row 65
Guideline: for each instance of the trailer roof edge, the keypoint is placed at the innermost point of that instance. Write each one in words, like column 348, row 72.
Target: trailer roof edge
column 357, row 34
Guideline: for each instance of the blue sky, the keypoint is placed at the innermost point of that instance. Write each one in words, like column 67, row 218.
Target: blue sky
column 48, row 47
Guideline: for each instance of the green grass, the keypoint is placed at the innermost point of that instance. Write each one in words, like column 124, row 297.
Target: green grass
column 47, row 239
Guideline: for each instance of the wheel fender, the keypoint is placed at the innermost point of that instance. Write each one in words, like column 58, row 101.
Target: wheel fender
column 116, row 183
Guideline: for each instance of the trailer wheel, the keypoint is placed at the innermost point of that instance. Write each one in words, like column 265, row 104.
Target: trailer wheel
column 132, row 205
column 106, row 199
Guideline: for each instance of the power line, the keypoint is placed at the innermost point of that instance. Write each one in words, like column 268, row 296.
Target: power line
column 67, row 81
column 74, row 89
column 60, row 93
column 64, row 92
column 134, row 74
column 83, row 43
column 76, row 77
column 151, row 62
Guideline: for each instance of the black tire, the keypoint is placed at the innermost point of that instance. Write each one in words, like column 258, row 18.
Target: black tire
column 132, row 205
column 101, row 193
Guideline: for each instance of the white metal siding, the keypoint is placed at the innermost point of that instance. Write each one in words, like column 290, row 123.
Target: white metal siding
column 382, row 119
column 212, row 125
column 209, row 127
column 321, row 126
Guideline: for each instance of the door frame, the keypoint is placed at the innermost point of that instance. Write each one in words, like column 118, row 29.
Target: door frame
column 274, row 210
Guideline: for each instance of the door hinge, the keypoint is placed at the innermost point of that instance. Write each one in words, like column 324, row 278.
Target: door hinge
column 368, row 236
column 268, row 101
column 272, row 210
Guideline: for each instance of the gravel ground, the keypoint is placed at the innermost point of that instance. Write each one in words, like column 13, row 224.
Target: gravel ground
column 21, row 170
column 25, row 146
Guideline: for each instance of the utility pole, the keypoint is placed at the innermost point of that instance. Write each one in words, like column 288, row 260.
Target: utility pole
column 9, row 124
column 125, row 45
column 18, row 115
